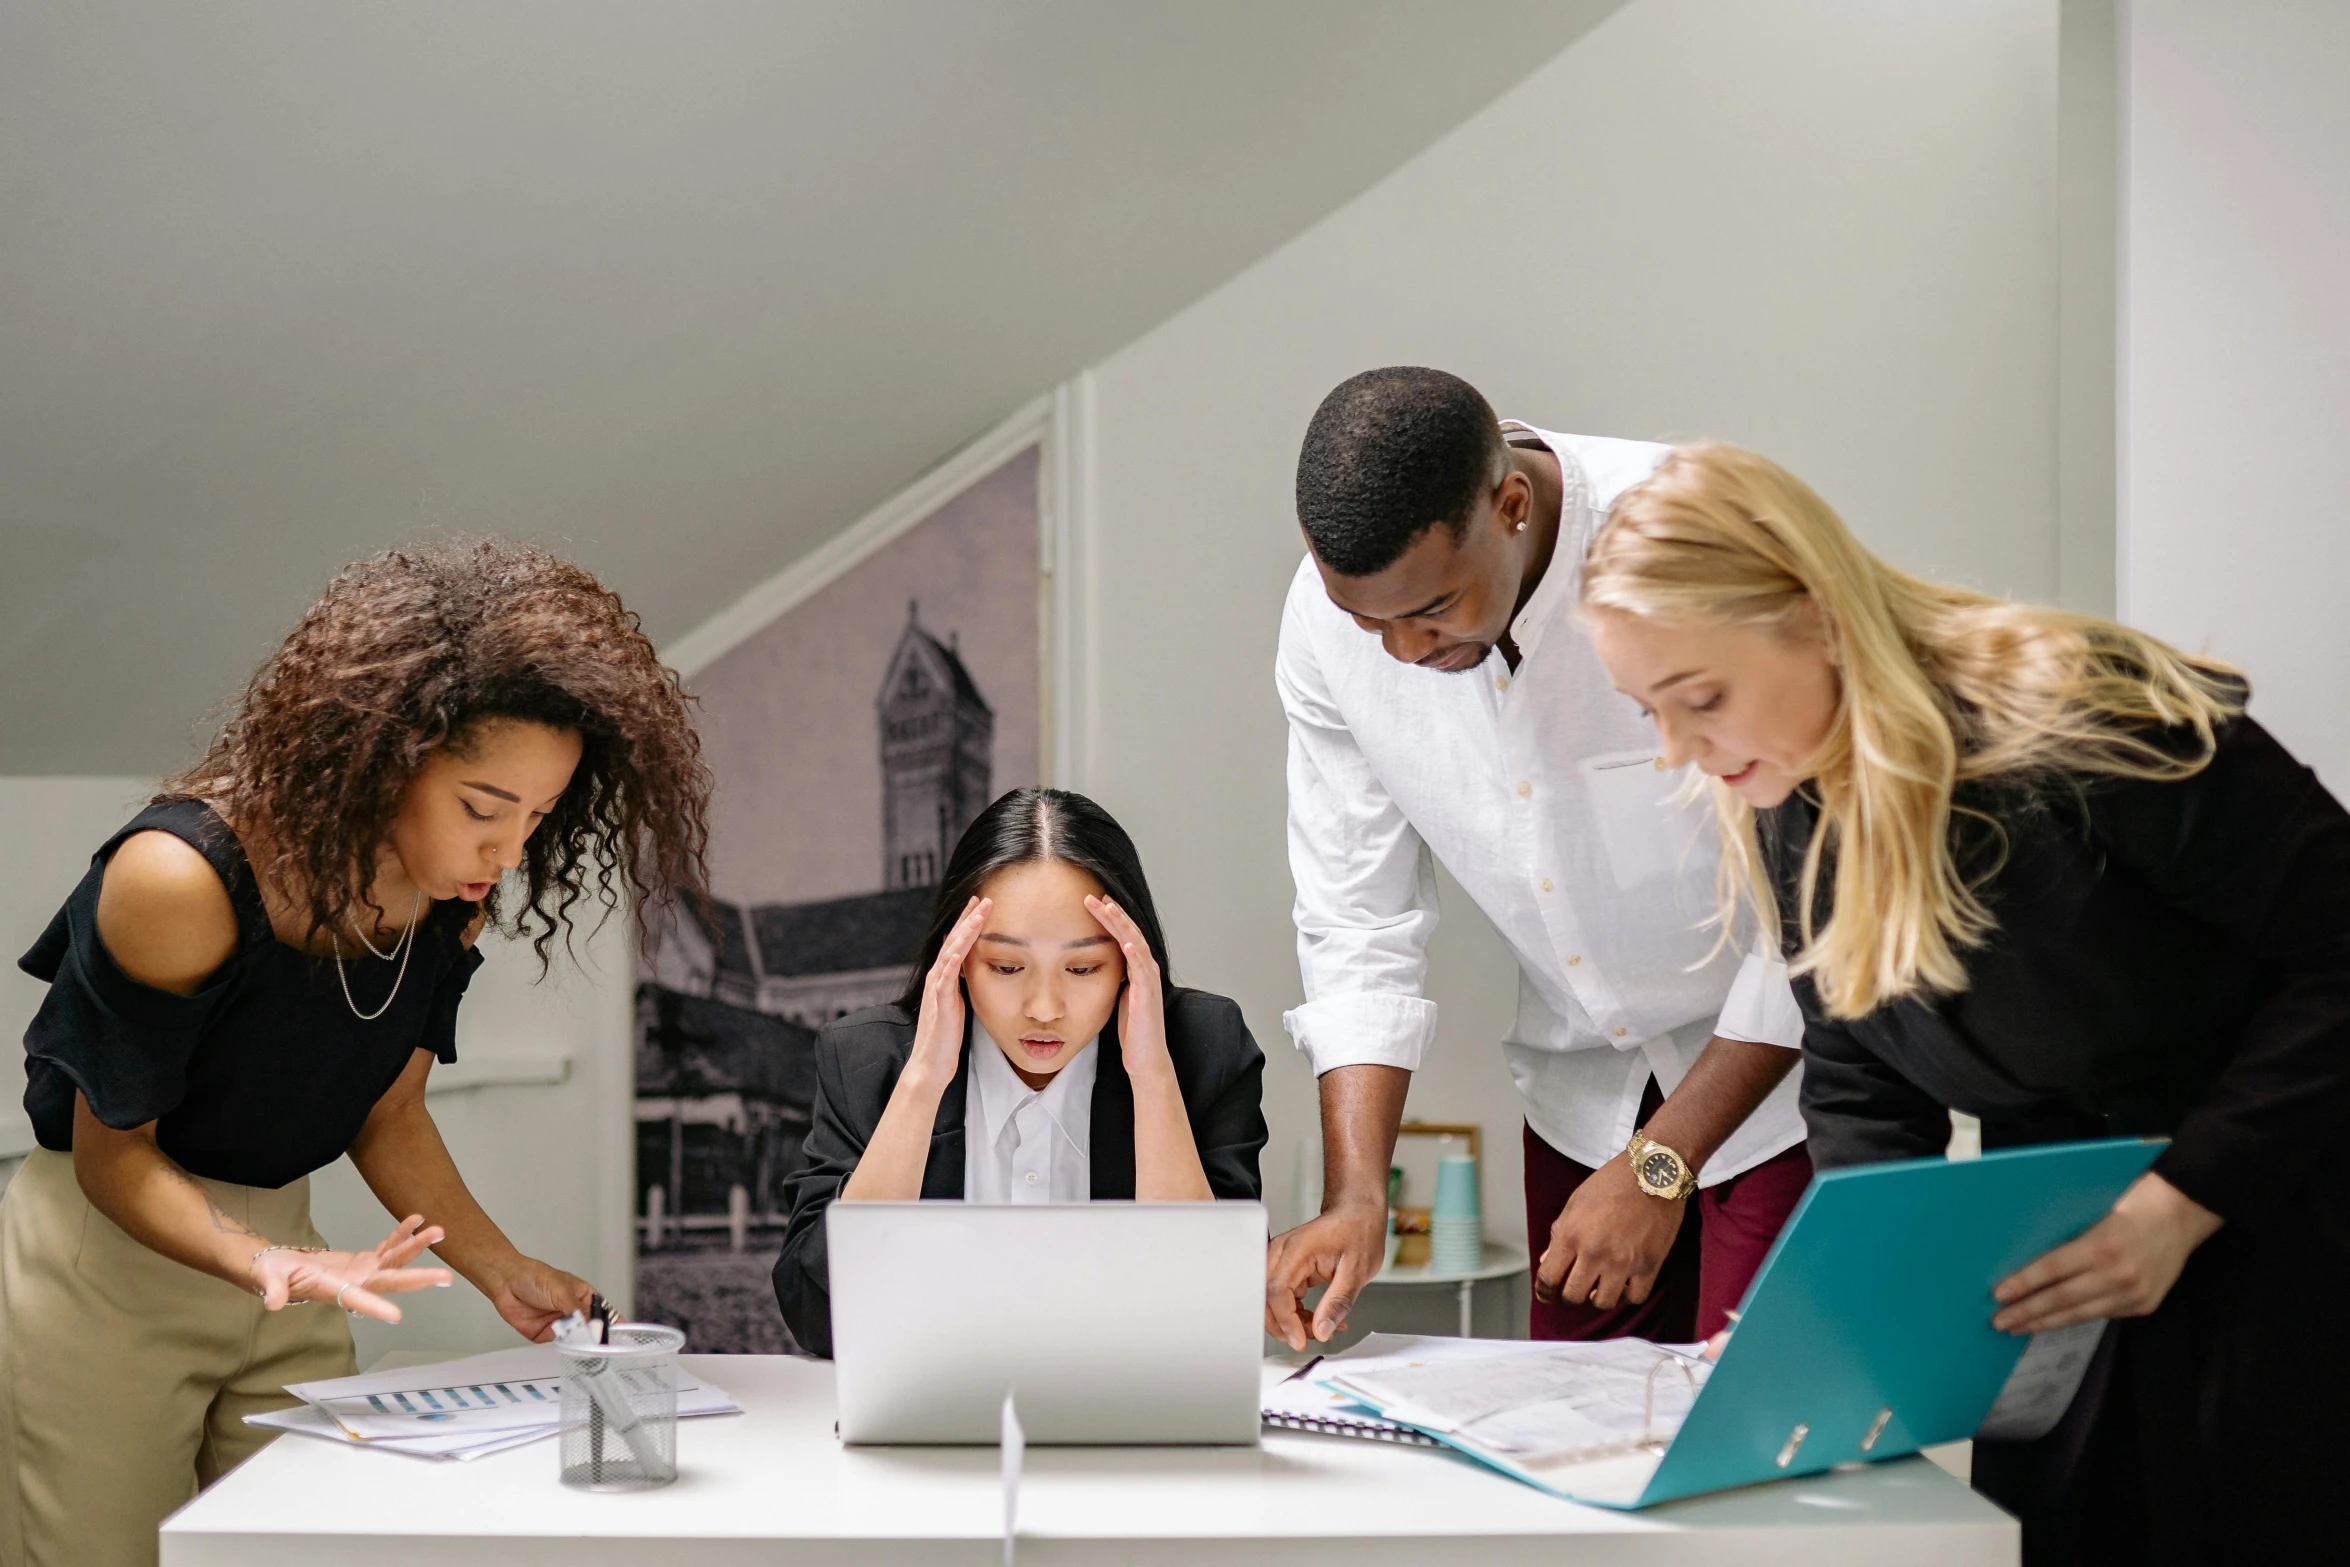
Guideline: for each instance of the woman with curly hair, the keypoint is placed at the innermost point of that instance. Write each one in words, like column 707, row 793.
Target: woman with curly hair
column 256, row 977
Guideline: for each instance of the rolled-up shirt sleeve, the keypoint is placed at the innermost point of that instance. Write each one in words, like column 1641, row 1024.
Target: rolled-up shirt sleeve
column 1761, row 1008
column 1366, row 886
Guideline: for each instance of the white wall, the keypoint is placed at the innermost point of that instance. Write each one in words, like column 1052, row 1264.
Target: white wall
column 2087, row 304
column 536, row 1111
column 1827, row 230
column 2236, row 350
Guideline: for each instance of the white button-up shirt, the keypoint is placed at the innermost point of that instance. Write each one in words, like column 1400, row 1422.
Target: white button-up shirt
column 1544, row 792
column 1022, row 1144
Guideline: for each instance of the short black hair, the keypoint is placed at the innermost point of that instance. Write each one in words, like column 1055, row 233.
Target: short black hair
column 1390, row 454
column 1022, row 828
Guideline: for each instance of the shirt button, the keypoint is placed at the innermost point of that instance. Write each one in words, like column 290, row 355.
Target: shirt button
column 1501, row 682
column 1574, row 958
column 1032, row 1173
column 1546, row 884
column 1620, row 1033
column 1525, row 789
column 1660, row 764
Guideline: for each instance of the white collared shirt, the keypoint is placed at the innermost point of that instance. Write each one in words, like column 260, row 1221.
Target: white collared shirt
column 1545, row 794
column 1022, row 1144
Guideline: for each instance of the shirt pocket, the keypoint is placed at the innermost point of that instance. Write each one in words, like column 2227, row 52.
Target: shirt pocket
column 1641, row 830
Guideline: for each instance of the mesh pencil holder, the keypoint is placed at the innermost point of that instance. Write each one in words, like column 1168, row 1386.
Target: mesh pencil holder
column 620, row 1409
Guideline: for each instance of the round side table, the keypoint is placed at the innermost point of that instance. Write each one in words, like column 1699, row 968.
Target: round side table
column 1499, row 1261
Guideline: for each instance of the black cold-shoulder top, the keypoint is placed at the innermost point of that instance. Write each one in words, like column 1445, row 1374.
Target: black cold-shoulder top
column 265, row 1074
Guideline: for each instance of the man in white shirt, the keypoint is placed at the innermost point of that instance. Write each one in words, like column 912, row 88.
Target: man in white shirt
column 1443, row 703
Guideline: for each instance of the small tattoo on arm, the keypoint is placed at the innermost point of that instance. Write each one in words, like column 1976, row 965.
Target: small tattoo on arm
column 222, row 1220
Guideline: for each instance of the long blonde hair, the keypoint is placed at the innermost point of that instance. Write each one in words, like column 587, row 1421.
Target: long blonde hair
column 1937, row 685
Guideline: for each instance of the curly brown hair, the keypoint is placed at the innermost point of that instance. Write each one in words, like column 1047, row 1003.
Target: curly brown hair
column 407, row 652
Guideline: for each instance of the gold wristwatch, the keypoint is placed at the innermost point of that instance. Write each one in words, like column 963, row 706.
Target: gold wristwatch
column 1660, row 1171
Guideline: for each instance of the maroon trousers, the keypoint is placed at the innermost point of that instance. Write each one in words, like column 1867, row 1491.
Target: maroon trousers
column 1725, row 1231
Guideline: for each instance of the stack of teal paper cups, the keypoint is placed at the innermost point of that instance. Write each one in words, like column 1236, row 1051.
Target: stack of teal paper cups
column 1455, row 1226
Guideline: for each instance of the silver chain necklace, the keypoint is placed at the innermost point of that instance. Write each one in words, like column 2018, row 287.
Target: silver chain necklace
column 403, row 947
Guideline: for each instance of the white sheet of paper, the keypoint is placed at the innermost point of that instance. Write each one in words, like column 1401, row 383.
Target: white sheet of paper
column 1549, row 1400
column 480, row 1408
column 2041, row 1387
column 524, row 1361
column 311, row 1421
column 1308, row 1394
column 456, row 1408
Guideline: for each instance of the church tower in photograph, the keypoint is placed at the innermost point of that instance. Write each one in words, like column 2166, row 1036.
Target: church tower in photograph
column 937, row 756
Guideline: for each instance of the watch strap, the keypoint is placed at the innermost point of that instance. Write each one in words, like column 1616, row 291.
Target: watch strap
column 1640, row 1146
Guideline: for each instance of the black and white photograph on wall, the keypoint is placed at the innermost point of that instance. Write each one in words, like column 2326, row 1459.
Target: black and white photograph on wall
column 853, row 737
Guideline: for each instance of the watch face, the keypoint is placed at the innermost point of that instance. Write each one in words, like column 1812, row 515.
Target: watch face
column 1660, row 1169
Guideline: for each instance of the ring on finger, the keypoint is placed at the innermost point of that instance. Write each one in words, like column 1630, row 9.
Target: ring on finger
column 339, row 1294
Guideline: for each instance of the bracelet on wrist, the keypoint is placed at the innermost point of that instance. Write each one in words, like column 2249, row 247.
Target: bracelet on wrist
column 253, row 1266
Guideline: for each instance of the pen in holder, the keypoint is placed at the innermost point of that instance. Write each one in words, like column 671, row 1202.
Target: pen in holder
column 619, row 1404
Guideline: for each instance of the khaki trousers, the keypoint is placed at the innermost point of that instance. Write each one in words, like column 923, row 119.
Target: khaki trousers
column 125, row 1377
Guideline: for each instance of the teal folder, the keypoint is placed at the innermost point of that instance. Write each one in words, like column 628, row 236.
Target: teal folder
column 1867, row 1333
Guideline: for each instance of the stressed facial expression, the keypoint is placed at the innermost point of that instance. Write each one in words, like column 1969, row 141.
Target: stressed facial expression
column 1447, row 599
column 1749, row 705
column 1044, row 976
column 469, row 809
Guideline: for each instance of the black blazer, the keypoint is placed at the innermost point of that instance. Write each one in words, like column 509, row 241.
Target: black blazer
column 2171, row 958
column 858, row 1058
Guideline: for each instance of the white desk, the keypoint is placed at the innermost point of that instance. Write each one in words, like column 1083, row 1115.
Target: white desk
column 773, row 1485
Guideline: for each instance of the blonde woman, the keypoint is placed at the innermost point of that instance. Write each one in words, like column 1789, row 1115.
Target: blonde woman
column 2041, row 868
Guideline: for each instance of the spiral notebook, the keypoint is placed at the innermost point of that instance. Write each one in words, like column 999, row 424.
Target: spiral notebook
column 1300, row 1402
column 1304, row 1400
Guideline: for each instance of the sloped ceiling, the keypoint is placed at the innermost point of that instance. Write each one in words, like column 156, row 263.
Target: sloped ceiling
column 680, row 287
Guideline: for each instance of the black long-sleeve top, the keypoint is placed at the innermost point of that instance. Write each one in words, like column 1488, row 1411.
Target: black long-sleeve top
column 2170, row 958
column 1218, row 1068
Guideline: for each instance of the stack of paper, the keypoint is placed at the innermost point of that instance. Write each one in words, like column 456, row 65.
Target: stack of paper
column 1544, row 1403
column 457, row 1408
column 1305, row 1400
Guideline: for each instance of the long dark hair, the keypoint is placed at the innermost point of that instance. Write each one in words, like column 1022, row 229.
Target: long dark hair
column 1028, row 826
column 410, row 651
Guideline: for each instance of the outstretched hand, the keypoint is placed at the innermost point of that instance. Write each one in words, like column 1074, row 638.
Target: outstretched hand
column 358, row 1281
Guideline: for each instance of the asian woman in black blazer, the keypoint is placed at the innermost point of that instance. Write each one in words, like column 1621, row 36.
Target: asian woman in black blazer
column 1040, row 1055
column 2041, row 868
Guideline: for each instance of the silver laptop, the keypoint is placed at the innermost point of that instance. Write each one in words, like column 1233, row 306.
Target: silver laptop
column 1106, row 1321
